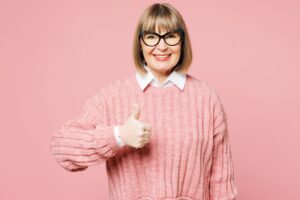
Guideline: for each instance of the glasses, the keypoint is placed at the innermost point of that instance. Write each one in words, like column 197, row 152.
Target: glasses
column 172, row 38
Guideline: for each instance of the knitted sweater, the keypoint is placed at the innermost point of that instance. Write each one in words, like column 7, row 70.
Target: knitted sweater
column 187, row 158
column 174, row 77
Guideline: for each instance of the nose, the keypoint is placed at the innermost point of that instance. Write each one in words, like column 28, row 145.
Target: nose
column 162, row 45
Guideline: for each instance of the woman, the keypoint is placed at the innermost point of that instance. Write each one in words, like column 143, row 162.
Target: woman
column 162, row 133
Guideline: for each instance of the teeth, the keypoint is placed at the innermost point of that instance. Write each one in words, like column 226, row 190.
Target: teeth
column 162, row 56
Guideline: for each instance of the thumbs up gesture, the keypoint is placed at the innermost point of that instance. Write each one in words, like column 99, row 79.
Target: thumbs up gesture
column 133, row 132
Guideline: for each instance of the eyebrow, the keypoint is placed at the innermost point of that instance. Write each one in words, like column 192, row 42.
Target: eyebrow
column 160, row 34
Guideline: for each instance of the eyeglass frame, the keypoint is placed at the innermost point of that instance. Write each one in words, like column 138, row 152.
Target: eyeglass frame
column 180, row 30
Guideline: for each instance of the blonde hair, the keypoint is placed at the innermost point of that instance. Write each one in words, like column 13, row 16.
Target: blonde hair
column 165, row 17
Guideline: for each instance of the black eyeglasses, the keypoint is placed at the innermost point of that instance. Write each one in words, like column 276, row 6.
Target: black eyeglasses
column 171, row 38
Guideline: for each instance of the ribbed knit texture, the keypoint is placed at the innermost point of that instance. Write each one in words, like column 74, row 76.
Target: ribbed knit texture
column 187, row 158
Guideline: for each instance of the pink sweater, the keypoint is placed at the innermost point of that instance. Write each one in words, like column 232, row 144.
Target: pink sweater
column 187, row 158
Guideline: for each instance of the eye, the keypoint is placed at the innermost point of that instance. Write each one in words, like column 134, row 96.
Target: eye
column 149, row 37
column 172, row 35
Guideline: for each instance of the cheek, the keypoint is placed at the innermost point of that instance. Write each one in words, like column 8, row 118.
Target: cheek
column 177, row 52
column 146, row 50
column 147, row 54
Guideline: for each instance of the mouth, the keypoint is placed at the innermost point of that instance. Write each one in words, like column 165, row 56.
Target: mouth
column 162, row 57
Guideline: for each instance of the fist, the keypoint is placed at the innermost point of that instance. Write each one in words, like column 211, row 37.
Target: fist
column 133, row 132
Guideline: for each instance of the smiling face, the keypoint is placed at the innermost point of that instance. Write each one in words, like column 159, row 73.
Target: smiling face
column 162, row 57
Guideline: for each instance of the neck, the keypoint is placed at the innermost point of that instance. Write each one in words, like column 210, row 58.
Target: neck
column 161, row 76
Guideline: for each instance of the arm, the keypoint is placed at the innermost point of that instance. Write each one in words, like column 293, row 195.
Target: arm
column 222, row 186
column 85, row 140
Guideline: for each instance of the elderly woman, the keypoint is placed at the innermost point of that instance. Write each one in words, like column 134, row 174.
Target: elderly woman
column 162, row 133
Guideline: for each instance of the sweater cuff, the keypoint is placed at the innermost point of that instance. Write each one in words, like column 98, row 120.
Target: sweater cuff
column 107, row 146
column 223, row 190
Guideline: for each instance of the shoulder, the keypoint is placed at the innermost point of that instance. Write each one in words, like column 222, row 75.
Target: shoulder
column 117, row 87
column 210, row 94
column 203, row 87
column 107, row 92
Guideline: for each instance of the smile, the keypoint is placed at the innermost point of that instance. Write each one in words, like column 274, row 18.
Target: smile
column 162, row 57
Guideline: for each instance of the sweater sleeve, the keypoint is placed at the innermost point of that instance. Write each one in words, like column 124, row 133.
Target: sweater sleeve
column 222, row 186
column 85, row 140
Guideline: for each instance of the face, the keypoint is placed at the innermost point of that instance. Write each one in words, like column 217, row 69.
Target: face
column 162, row 57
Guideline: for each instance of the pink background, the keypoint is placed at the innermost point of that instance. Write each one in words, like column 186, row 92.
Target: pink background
column 56, row 54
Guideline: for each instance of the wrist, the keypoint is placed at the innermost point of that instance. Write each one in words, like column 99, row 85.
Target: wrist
column 117, row 133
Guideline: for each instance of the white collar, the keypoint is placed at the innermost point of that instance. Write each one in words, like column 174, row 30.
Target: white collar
column 176, row 78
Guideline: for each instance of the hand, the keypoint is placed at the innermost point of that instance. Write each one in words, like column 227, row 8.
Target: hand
column 133, row 132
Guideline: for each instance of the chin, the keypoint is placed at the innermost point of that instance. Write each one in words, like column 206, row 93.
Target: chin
column 163, row 69
column 161, row 64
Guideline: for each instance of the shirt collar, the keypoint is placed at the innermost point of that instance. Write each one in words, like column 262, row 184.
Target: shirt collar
column 176, row 78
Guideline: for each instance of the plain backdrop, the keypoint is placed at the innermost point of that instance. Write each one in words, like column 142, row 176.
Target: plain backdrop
column 55, row 54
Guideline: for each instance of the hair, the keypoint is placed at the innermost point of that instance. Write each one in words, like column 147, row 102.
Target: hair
column 165, row 17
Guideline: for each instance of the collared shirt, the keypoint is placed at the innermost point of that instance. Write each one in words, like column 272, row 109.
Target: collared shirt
column 175, row 78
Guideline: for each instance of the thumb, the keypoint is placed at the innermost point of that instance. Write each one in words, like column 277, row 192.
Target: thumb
column 136, row 111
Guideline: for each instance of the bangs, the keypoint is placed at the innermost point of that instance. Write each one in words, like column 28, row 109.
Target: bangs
column 163, row 19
